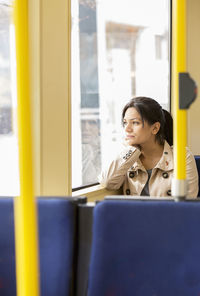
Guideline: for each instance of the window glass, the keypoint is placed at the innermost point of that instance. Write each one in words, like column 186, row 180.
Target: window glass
column 9, row 174
column 120, row 49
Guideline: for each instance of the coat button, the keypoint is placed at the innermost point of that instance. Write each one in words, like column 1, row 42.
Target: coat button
column 131, row 174
column 128, row 191
column 165, row 175
column 169, row 192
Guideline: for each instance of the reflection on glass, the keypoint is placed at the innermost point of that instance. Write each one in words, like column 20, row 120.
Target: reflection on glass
column 115, row 56
column 91, row 156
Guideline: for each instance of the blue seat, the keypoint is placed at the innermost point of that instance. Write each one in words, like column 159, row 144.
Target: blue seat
column 57, row 224
column 197, row 159
column 145, row 248
column 7, row 251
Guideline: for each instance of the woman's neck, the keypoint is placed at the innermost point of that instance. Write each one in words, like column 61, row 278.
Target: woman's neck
column 154, row 149
column 151, row 154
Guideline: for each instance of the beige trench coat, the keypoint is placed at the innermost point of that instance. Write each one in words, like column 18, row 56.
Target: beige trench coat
column 127, row 171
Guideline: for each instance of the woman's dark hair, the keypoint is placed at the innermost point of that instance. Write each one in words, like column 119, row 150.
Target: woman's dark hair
column 151, row 112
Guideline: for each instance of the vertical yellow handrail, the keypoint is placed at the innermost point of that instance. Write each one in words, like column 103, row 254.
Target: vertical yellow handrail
column 180, row 116
column 24, row 205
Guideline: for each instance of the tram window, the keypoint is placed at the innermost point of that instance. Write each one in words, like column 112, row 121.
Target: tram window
column 115, row 56
column 9, row 175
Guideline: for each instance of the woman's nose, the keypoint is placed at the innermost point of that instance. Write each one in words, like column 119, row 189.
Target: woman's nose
column 128, row 127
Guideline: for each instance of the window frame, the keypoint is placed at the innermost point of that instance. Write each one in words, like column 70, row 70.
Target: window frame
column 55, row 98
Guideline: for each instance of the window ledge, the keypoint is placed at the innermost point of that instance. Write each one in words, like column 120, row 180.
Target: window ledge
column 96, row 192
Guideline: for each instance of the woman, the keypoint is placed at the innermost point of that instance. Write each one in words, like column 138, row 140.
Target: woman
column 146, row 167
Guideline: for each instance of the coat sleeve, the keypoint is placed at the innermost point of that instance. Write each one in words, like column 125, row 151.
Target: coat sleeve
column 113, row 177
column 192, row 176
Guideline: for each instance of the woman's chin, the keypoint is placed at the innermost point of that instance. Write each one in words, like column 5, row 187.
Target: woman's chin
column 132, row 143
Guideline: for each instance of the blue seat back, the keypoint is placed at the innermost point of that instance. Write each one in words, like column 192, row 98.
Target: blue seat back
column 197, row 159
column 56, row 246
column 7, row 249
column 145, row 248
column 57, row 219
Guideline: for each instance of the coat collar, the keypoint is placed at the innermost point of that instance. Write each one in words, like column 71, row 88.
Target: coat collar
column 165, row 163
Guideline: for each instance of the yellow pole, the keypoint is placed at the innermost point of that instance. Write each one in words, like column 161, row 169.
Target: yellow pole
column 24, row 205
column 180, row 116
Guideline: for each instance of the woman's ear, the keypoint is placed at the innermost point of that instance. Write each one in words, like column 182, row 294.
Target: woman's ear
column 155, row 128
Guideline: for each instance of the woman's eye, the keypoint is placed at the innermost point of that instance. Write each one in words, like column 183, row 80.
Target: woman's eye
column 124, row 123
column 136, row 122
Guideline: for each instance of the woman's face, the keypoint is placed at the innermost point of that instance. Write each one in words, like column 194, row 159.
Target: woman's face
column 137, row 132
